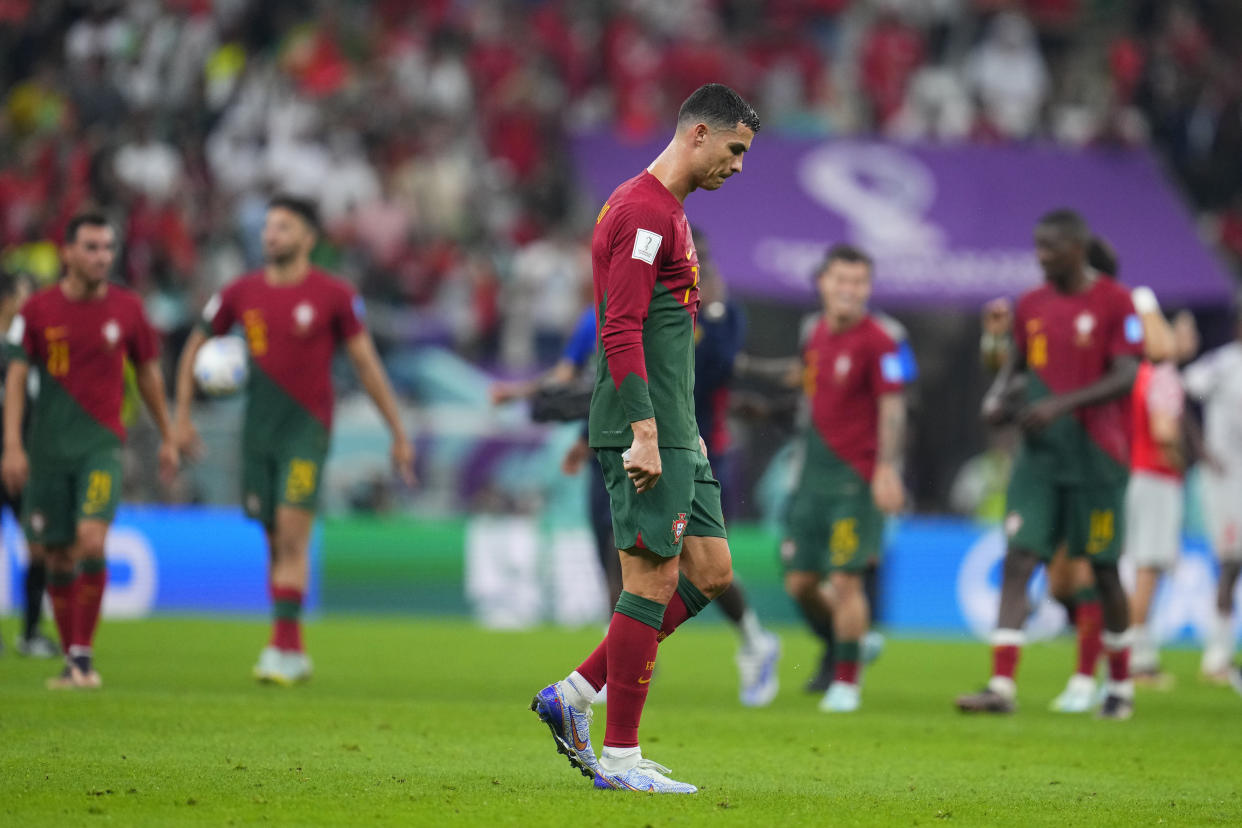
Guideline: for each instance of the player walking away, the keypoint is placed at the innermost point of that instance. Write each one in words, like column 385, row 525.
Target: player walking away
column 851, row 478
column 1215, row 380
column 293, row 317
column 31, row 642
column 1076, row 344
column 78, row 333
column 1154, row 498
column 666, row 509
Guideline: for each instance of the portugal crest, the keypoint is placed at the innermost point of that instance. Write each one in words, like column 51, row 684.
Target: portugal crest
column 303, row 315
column 112, row 332
column 1084, row 324
column 679, row 527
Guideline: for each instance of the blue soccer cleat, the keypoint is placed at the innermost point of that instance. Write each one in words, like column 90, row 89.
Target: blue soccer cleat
column 570, row 729
column 646, row 776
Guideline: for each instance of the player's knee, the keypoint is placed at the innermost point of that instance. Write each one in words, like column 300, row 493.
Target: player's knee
column 90, row 542
column 716, row 583
column 847, row 584
column 1019, row 564
column 801, row 586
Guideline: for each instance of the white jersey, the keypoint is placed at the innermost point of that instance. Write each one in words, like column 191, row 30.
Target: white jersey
column 1215, row 380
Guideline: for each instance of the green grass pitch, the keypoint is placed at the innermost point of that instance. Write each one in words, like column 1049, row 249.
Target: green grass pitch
column 425, row 722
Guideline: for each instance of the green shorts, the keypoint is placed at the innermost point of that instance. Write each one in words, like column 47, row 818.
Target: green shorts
column 60, row 493
column 833, row 525
column 281, row 476
column 1042, row 512
column 685, row 501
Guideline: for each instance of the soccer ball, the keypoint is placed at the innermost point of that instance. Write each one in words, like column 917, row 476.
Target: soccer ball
column 220, row 366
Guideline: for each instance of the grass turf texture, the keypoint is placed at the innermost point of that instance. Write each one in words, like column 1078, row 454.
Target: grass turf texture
column 425, row 722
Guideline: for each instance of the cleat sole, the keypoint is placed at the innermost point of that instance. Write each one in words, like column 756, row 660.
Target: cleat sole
column 561, row 747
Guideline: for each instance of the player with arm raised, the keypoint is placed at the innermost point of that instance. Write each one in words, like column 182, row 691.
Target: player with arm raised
column 77, row 334
column 665, row 502
column 1077, row 342
column 293, row 317
column 853, row 377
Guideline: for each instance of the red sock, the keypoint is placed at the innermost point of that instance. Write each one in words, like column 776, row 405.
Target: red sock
column 88, row 599
column 287, row 618
column 61, row 587
column 1005, row 660
column 595, row 668
column 1090, row 620
column 631, row 660
column 1119, row 664
column 675, row 615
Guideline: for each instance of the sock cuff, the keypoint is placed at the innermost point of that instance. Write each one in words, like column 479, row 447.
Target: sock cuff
column 57, row 579
column 287, row 594
column 1086, row 595
column 642, row 610
column 1008, row 638
column 1114, row 641
column 693, row 597
column 848, row 651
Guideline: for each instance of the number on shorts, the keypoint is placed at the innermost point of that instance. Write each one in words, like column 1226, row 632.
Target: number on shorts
column 98, row 492
column 844, row 541
column 301, row 482
column 1101, row 531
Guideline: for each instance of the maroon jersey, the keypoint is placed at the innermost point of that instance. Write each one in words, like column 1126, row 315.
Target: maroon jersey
column 80, row 348
column 1069, row 341
column 846, row 373
column 292, row 332
column 646, row 275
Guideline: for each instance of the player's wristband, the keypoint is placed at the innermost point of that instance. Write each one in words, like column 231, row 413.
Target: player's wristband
column 1145, row 301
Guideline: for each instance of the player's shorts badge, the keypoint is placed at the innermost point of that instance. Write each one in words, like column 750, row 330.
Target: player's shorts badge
column 37, row 522
column 111, row 332
column 253, row 503
column 679, row 527
column 1013, row 524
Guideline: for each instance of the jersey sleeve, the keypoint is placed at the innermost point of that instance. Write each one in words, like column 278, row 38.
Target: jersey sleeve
column 581, row 342
column 347, row 321
column 1126, row 336
column 19, row 342
column 1164, row 393
column 142, row 343
column 887, row 371
column 1202, row 377
column 638, row 248
column 220, row 312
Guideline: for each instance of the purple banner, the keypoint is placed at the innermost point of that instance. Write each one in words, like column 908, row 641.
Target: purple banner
column 946, row 225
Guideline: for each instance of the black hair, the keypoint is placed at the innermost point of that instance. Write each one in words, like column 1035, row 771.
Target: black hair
column 91, row 218
column 1069, row 222
column 719, row 107
column 842, row 252
column 8, row 283
column 1102, row 257
column 303, row 207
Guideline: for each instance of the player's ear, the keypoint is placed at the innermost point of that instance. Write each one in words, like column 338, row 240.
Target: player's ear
column 701, row 134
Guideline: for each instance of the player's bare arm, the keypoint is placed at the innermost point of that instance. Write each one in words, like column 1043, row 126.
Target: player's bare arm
column 1117, row 382
column 996, row 409
column 786, row 372
column 361, row 350
column 886, row 487
column 15, row 467
column 185, row 435
column 561, row 373
column 642, row 459
column 151, row 387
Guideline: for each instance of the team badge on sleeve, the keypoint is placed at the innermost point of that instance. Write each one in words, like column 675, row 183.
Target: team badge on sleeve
column 360, row 308
column 646, row 246
column 891, row 368
column 1134, row 329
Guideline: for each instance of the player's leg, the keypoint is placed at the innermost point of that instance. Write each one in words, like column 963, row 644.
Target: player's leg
column 92, row 580
column 804, row 554
column 1062, row 584
column 1079, row 694
column 31, row 641
column 1222, row 498
column 855, row 536
column 49, row 519
column 1096, row 529
column 601, row 526
column 1153, row 542
column 1034, row 524
column 290, row 577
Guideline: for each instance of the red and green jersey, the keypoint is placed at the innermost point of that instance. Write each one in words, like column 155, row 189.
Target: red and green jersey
column 646, row 275
column 845, row 374
column 292, row 332
column 79, row 348
column 1069, row 341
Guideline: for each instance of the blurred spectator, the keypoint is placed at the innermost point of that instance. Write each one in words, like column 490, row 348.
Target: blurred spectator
column 892, row 50
column 1008, row 74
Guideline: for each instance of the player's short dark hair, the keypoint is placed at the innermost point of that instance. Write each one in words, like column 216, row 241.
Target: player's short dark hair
column 90, row 218
column 304, row 208
column 719, row 107
column 1102, row 257
column 842, row 252
column 1069, row 222
column 9, row 280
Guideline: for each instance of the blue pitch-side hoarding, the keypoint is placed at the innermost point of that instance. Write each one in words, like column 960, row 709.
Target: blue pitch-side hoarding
column 172, row 559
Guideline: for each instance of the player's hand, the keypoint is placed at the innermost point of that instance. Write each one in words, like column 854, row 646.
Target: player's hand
column 887, row 490
column 998, row 317
column 403, row 461
column 574, row 459
column 15, row 468
column 1039, row 415
column 170, row 461
column 503, row 392
column 642, row 463
column 185, row 437
column 702, row 445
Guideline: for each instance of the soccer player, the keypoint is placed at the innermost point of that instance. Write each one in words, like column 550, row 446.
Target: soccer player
column 665, row 502
column 1215, row 380
column 31, row 642
column 853, row 378
column 1154, row 498
column 1077, row 342
column 293, row 317
column 78, row 333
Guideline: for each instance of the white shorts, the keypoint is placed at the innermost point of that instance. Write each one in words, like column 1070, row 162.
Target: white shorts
column 1153, row 520
column 1222, row 507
